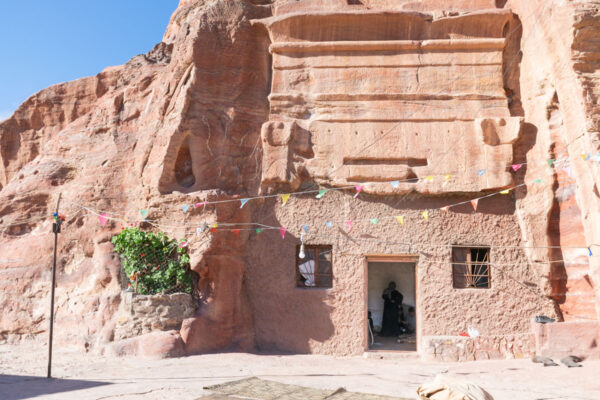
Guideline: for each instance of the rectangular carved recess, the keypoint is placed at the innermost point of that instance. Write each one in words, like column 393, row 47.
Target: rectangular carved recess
column 393, row 96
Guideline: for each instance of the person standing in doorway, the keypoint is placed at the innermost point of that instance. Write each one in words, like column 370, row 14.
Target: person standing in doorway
column 392, row 302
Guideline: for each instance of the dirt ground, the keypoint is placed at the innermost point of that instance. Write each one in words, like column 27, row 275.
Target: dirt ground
column 83, row 376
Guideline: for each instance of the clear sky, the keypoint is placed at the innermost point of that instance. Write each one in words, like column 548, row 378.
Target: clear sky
column 43, row 42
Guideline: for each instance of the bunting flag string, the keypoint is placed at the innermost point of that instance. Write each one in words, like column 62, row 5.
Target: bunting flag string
column 349, row 225
column 395, row 183
column 358, row 190
column 103, row 217
column 399, row 218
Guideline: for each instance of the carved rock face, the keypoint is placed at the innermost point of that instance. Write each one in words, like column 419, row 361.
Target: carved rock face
column 392, row 96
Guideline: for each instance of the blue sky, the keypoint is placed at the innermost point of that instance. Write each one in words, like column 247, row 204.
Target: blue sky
column 43, row 42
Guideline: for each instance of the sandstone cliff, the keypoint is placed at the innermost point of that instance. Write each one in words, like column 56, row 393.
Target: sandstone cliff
column 182, row 124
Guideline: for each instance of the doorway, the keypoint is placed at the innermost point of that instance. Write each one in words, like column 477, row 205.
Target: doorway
column 390, row 335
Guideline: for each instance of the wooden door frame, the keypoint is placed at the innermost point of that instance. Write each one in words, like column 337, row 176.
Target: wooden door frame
column 390, row 258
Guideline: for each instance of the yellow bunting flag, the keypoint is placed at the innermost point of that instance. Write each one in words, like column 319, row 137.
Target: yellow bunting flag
column 400, row 219
column 425, row 215
column 215, row 225
column 285, row 198
column 429, row 178
column 507, row 191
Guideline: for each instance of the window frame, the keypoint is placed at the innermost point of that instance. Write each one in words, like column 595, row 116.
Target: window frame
column 468, row 262
column 315, row 248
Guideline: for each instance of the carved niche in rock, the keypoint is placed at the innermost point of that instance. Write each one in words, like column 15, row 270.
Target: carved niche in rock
column 376, row 97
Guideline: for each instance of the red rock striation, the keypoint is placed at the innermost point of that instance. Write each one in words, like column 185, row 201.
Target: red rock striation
column 249, row 97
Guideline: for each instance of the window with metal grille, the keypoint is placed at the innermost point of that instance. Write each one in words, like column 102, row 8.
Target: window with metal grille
column 315, row 269
column 471, row 267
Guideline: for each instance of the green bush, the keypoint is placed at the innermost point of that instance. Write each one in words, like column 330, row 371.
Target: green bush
column 153, row 262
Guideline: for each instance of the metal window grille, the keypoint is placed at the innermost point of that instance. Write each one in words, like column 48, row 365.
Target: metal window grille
column 471, row 268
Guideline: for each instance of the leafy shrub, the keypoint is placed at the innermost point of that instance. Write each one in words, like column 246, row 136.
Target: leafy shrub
column 153, row 262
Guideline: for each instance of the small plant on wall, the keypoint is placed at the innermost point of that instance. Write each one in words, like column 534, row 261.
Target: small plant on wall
column 153, row 262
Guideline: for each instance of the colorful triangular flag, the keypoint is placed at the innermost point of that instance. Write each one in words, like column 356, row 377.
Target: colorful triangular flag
column 349, row 225
column 185, row 208
column 516, row 167
column 585, row 157
column 199, row 231
column 215, row 225
column 144, row 213
column 395, row 184
column 445, row 208
column 400, row 219
column 474, row 203
column 374, row 221
column 243, row 202
column 538, row 180
column 551, row 162
column 506, row 191
column 258, row 230
column 328, row 224
column 321, row 193
column 305, row 228
column 103, row 217
column 429, row 178
column 425, row 215
column 198, row 205
column 567, row 171
column 236, row 232
column 359, row 189
column 481, row 172
column 282, row 231
column 285, row 198
column 590, row 251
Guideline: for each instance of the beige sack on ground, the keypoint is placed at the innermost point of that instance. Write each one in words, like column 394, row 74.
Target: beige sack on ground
column 446, row 388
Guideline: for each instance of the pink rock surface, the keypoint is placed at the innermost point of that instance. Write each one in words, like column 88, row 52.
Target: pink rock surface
column 251, row 97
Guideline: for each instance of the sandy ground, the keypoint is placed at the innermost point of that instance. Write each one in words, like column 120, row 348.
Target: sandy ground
column 83, row 376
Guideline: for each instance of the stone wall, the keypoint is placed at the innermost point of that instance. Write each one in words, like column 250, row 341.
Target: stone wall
column 459, row 348
column 141, row 314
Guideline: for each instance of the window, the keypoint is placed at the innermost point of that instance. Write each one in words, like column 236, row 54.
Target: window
column 315, row 269
column 471, row 267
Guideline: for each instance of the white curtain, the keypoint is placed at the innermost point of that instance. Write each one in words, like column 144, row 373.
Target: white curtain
column 307, row 270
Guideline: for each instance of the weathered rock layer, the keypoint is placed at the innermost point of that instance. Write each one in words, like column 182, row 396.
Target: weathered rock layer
column 244, row 98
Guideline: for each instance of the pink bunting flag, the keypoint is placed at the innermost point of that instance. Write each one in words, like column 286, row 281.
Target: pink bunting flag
column 567, row 171
column 516, row 167
column 103, row 217
column 183, row 245
column 358, row 190
column 474, row 204
column 282, row 231
column 197, row 205
column 349, row 225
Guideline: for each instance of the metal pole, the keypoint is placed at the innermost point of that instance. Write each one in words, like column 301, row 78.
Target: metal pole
column 56, row 229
